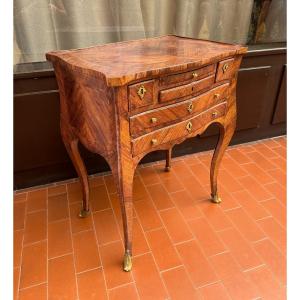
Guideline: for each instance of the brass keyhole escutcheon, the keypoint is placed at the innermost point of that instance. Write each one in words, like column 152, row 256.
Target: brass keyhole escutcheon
column 195, row 75
column 190, row 108
column 225, row 68
column 189, row 126
column 216, row 96
column 142, row 91
column 154, row 141
column 153, row 120
column 214, row 114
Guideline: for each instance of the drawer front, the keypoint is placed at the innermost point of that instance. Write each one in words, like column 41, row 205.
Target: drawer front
column 185, row 90
column 141, row 94
column 188, row 76
column 148, row 121
column 226, row 69
column 177, row 131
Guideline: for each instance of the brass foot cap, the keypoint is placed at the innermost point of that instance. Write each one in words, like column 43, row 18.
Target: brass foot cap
column 215, row 199
column 127, row 264
column 167, row 169
column 84, row 213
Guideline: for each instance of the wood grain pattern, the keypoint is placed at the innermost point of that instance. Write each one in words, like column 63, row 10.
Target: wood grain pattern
column 100, row 106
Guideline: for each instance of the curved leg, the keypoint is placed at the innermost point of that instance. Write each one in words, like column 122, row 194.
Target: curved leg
column 71, row 144
column 168, row 160
column 124, row 179
column 226, row 133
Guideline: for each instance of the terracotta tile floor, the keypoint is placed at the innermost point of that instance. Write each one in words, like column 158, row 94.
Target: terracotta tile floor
column 184, row 246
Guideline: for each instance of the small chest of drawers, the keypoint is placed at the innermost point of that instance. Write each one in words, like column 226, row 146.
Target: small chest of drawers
column 126, row 99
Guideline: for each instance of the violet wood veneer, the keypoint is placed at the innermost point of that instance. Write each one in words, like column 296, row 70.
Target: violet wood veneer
column 124, row 100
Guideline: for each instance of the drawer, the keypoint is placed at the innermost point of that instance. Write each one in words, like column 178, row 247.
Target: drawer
column 226, row 69
column 141, row 94
column 188, row 76
column 182, row 129
column 186, row 89
column 166, row 115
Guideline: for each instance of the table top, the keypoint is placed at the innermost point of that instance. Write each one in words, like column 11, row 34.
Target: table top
column 123, row 62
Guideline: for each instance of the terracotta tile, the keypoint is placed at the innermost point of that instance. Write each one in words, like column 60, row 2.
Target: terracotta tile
column 91, row 285
column 34, row 264
column 186, row 205
column 179, row 285
column 214, row 215
column 19, row 215
column 233, row 167
column 106, row 227
column 160, row 196
column 273, row 258
column 246, row 148
column 139, row 240
column 238, row 156
column 112, row 260
column 36, row 200
column 56, row 190
column 277, row 191
column 79, row 224
column 231, row 184
column 74, row 192
column 59, row 238
column 62, row 281
column 246, row 225
column 36, row 227
column 58, row 207
column 18, row 244
column 271, row 143
column 260, row 160
column 36, row 292
column 99, row 198
column 172, row 185
column 225, row 265
column 86, row 254
column 265, row 151
column 148, row 281
column 240, row 287
column 95, row 181
column 147, row 214
column 20, row 197
column 280, row 151
column 139, row 191
column 240, row 249
column 207, row 238
column 265, row 282
column 280, row 163
column 127, row 292
column 257, row 190
column 196, row 264
column 277, row 210
column 110, row 184
column 214, row 291
column 259, row 174
column 149, row 175
column 201, row 173
column 275, row 232
column 194, row 188
column 179, row 167
column 254, row 208
column 191, row 159
column 228, row 201
column 278, row 175
column 162, row 249
column 175, row 225
column 16, row 282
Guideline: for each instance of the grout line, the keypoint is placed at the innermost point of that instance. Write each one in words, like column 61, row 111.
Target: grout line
column 254, row 268
column 33, row 285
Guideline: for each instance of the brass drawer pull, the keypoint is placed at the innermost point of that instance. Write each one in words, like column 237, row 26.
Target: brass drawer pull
column 195, row 75
column 142, row 91
column 189, row 126
column 154, row 141
column 225, row 68
column 214, row 114
column 153, row 120
column 216, row 96
column 190, row 108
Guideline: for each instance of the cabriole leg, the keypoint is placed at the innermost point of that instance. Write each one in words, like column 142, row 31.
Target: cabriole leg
column 168, row 160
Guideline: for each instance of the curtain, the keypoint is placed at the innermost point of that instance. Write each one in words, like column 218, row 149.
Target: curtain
column 44, row 25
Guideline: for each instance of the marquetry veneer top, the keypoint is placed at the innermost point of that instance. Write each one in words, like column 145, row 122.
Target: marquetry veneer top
column 122, row 62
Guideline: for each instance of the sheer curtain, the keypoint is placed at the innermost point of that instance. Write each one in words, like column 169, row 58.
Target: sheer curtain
column 43, row 25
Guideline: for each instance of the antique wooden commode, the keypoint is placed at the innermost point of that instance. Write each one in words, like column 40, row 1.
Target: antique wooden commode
column 124, row 100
